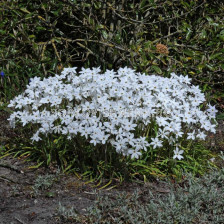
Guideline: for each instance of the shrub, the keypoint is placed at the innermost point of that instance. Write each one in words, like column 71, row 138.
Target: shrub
column 126, row 110
column 39, row 38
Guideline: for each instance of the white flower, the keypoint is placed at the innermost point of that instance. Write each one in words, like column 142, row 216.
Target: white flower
column 47, row 99
column 162, row 133
column 177, row 154
column 187, row 117
column 201, row 135
column 87, row 107
column 134, row 154
column 55, row 101
column 191, row 135
column 57, row 129
column 104, row 138
column 161, row 121
column 143, row 143
column 129, row 126
column 94, row 139
column 131, row 139
column 36, row 137
column 84, row 132
column 205, row 124
column 156, row 143
column 212, row 110
column 116, row 108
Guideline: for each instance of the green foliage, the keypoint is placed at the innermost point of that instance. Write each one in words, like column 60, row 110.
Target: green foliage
column 66, row 214
column 74, row 156
column 43, row 183
column 195, row 200
column 95, row 162
column 38, row 38
column 196, row 161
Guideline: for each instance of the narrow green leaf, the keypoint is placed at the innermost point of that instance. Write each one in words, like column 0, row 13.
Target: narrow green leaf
column 188, row 53
column 25, row 10
column 215, row 56
column 188, row 34
column 157, row 69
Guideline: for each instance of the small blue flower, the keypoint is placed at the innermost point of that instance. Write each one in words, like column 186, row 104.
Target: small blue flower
column 2, row 74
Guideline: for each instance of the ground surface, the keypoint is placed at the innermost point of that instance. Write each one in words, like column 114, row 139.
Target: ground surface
column 26, row 198
column 21, row 201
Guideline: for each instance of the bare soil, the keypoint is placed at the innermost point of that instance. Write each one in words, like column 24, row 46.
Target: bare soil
column 19, row 202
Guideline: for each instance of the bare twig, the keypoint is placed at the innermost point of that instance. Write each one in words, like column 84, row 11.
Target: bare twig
column 130, row 20
column 7, row 179
column 108, row 44
column 169, row 35
column 19, row 220
column 10, row 167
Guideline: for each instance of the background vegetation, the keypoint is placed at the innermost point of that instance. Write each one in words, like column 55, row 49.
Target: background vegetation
column 40, row 38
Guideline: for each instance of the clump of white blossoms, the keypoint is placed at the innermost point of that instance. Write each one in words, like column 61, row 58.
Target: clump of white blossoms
column 108, row 108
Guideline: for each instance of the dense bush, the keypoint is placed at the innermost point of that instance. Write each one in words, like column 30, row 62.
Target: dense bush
column 39, row 38
column 123, row 108
column 138, row 115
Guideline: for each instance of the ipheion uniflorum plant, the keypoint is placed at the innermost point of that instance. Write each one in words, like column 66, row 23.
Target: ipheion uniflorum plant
column 116, row 108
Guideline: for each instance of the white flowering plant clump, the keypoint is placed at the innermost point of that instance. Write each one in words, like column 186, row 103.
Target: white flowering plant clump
column 130, row 111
